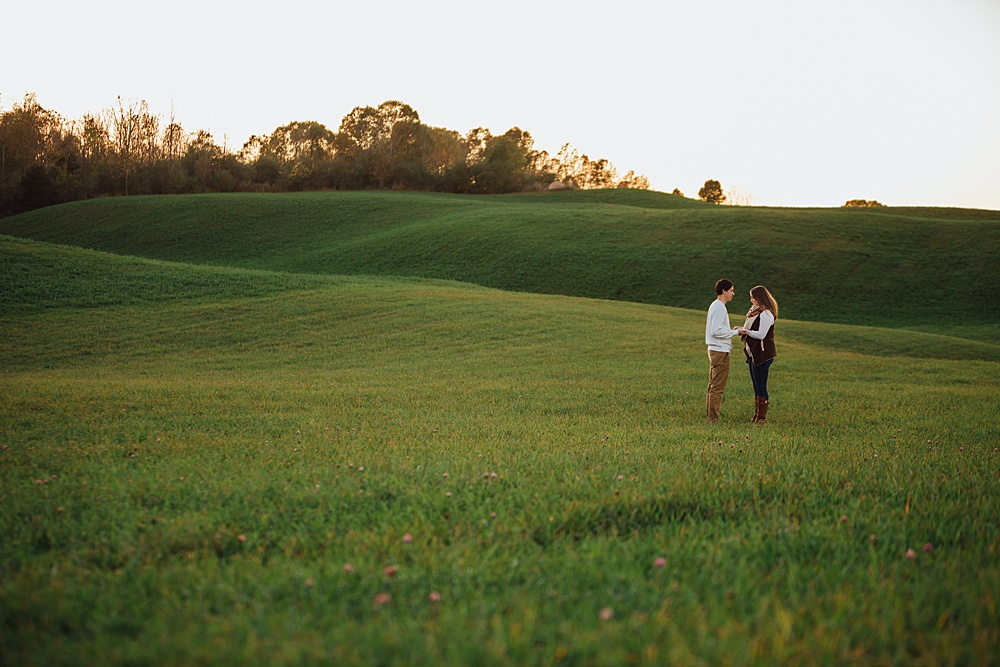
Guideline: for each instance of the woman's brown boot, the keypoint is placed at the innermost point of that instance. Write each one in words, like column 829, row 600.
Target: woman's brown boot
column 756, row 409
column 762, row 409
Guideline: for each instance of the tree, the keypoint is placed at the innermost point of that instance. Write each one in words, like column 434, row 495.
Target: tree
column 503, row 167
column 445, row 148
column 598, row 173
column 569, row 165
column 298, row 142
column 174, row 141
column 95, row 138
column 405, row 163
column 862, row 203
column 712, row 192
column 134, row 137
column 39, row 187
column 737, row 196
column 367, row 138
column 476, row 141
column 300, row 150
column 32, row 139
column 634, row 181
column 580, row 171
column 97, row 172
column 26, row 134
column 201, row 152
column 537, row 161
column 498, row 164
column 211, row 168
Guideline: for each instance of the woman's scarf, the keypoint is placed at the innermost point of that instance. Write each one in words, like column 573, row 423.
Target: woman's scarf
column 752, row 313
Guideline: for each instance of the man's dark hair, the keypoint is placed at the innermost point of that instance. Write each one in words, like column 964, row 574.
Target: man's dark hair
column 723, row 285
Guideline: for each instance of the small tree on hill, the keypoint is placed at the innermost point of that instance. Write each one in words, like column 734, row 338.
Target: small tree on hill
column 712, row 192
column 634, row 181
column 856, row 203
column 737, row 196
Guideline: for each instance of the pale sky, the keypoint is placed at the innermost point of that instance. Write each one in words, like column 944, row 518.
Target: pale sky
column 794, row 102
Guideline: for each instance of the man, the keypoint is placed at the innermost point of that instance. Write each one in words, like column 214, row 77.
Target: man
column 718, row 337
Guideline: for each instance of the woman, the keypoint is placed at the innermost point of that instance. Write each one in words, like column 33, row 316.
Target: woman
column 758, row 345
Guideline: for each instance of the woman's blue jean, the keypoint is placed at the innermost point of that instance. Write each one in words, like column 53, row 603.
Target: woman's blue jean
column 758, row 374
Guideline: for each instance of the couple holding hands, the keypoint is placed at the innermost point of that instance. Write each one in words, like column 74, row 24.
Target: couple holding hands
column 757, row 335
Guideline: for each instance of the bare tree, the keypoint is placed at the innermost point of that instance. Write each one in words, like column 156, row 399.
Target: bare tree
column 634, row 181
column 134, row 136
column 737, row 196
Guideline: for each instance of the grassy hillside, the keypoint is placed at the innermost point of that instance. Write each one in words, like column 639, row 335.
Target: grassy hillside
column 231, row 432
column 41, row 277
column 206, row 465
column 926, row 269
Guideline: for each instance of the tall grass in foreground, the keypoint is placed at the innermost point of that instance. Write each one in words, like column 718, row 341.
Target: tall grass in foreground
column 295, row 470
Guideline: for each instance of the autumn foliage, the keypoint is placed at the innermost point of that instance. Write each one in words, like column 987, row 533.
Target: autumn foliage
column 127, row 149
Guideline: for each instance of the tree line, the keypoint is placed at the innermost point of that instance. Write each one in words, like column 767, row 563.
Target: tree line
column 128, row 150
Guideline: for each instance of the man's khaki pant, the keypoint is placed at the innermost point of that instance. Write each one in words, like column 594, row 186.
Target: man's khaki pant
column 718, row 374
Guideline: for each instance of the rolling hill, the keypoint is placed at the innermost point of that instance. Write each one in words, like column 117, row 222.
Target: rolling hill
column 218, row 445
column 927, row 269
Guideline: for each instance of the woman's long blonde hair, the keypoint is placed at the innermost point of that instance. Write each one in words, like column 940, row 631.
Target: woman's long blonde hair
column 765, row 299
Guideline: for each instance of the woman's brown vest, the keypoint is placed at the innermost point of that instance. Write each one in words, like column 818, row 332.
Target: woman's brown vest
column 759, row 350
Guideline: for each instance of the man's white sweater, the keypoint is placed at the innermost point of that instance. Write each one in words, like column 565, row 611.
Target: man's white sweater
column 718, row 333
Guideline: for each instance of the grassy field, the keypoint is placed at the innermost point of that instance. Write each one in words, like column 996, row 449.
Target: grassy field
column 268, row 462
column 925, row 269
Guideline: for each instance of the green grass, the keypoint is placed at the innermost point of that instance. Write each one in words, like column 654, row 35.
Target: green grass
column 927, row 269
column 192, row 455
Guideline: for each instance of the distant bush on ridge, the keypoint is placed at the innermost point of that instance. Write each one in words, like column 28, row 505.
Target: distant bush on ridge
column 861, row 203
